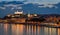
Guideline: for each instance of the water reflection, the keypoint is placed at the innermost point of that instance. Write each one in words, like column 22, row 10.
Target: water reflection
column 19, row 29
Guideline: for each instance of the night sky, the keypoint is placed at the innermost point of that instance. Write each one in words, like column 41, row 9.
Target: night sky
column 50, row 1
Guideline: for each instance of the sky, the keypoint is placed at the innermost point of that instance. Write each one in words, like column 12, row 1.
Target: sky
column 50, row 1
column 11, row 0
column 37, row 1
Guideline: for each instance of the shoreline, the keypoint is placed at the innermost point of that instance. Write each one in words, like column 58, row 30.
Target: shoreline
column 52, row 25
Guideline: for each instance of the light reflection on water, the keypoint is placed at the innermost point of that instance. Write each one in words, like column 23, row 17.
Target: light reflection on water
column 19, row 29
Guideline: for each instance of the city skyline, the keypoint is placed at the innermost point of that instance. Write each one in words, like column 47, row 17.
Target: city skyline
column 53, row 8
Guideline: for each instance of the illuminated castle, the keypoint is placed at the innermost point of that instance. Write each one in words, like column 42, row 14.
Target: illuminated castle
column 18, row 12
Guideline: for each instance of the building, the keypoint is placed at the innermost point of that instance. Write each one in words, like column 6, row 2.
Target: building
column 18, row 17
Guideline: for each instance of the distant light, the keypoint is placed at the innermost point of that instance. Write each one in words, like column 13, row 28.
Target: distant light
column 13, row 16
column 35, row 14
column 29, row 15
column 9, row 15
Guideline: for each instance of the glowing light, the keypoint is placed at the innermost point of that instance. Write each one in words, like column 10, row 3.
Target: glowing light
column 19, row 12
column 28, row 15
column 35, row 14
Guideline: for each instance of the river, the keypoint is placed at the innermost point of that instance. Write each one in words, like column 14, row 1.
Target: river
column 19, row 29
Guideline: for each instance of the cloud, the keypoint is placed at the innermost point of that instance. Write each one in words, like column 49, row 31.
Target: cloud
column 43, row 1
column 50, row 6
column 16, row 8
column 47, row 5
column 2, row 8
column 19, row 7
column 11, row 5
column 56, row 7
column 12, row 8
column 11, row 0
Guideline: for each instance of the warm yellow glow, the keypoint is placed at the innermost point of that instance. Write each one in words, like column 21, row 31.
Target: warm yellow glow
column 5, row 27
column 35, row 14
column 8, row 15
column 59, row 31
column 28, row 15
column 12, row 16
column 20, row 29
column 17, row 29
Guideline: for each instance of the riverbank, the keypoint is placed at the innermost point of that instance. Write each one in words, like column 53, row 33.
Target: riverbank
column 53, row 25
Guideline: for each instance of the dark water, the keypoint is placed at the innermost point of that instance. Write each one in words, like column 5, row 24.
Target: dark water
column 19, row 29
